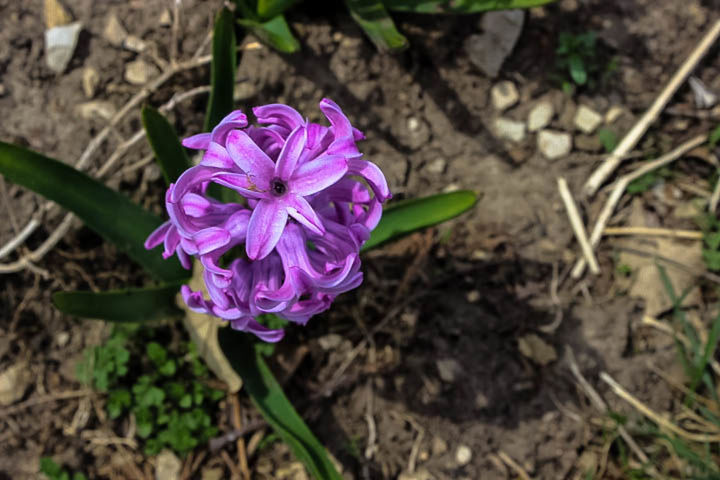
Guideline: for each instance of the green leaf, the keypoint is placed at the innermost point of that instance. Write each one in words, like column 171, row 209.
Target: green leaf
column 222, row 69
column 163, row 139
column 411, row 215
column 117, row 401
column 268, row 397
column 377, row 24
column 577, row 69
column 270, row 8
column 107, row 212
column 168, row 368
column 459, row 6
column 274, row 32
column 714, row 137
column 156, row 353
column 608, row 139
column 130, row 305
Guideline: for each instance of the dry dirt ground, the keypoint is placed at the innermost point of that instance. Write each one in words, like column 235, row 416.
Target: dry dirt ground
column 456, row 340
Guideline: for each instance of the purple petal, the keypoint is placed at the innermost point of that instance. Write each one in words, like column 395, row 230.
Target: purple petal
column 279, row 114
column 266, row 225
column 248, row 156
column 299, row 209
column 197, row 142
column 158, row 236
column 374, row 176
column 211, row 239
column 263, row 333
column 194, row 300
column 216, row 156
column 290, row 153
column 341, row 124
column 318, row 174
column 195, row 205
column 234, row 120
column 240, row 182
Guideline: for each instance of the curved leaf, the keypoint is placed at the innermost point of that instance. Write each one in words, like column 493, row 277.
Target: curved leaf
column 410, row 215
column 106, row 211
column 270, row 8
column 274, row 32
column 459, row 6
column 163, row 139
column 222, row 69
column 268, row 397
column 131, row 305
column 377, row 24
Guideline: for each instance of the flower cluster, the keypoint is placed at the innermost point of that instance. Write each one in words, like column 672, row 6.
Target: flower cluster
column 310, row 202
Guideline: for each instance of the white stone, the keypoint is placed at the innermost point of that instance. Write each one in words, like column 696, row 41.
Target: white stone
column 96, row 109
column 586, row 119
column 13, row 383
column 501, row 30
column 613, row 114
column 90, row 81
column 60, row 43
column 540, row 115
column 135, row 44
column 508, row 129
column 413, row 124
column 463, row 455
column 165, row 19
column 504, row 95
column 330, row 341
column 167, row 466
column 139, row 72
column 473, row 296
column 114, row 31
column 448, row 369
column 553, row 144
column 437, row 166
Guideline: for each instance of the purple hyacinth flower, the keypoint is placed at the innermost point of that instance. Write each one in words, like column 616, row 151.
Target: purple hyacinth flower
column 280, row 187
column 311, row 201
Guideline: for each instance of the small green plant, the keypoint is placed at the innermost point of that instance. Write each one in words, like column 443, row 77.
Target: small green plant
column 647, row 181
column 580, row 63
column 608, row 139
column 170, row 400
column 53, row 471
column 710, row 226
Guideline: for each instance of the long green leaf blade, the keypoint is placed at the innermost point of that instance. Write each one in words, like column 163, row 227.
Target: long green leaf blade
column 163, row 139
column 410, row 215
column 106, row 211
column 131, row 305
column 459, row 6
column 274, row 32
column 268, row 397
column 377, row 24
column 267, row 9
column 222, row 69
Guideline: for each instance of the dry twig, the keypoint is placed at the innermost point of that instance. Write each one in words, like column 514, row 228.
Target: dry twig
column 513, row 465
column 577, row 225
column 620, row 187
column 654, row 232
column 635, row 134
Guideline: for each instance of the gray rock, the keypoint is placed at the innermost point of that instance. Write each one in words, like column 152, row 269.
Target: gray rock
column 540, row 115
column 139, row 72
column 14, row 382
column 586, row 119
column 501, row 30
column 60, row 43
column 167, row 466
column 448, row 369
column 90, row 81
column 553, row 144
column 114, row 31
column 437, row 166
column 504, row 95
column 508, row 129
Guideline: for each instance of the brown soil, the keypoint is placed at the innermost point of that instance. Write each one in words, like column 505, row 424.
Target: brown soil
column 463, row 294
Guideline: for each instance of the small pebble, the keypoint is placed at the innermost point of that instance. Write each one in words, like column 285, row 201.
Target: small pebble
column 553, row 144
column 540, row 116
column 90, row 81
column 504, row 95
column 463, row 455
column 587, row 119
column 114, row 32
column 508, row 129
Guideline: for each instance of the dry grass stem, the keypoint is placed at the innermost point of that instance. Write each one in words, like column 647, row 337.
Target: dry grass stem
column 620, row 187
column 240, row 442
column 600, row 404
column 628, row 142
column 661, row 421
column 577, row 225
column 714, row 198
column 654, row 232
column 520, row 471
column 664, row 327
column 52, row 397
